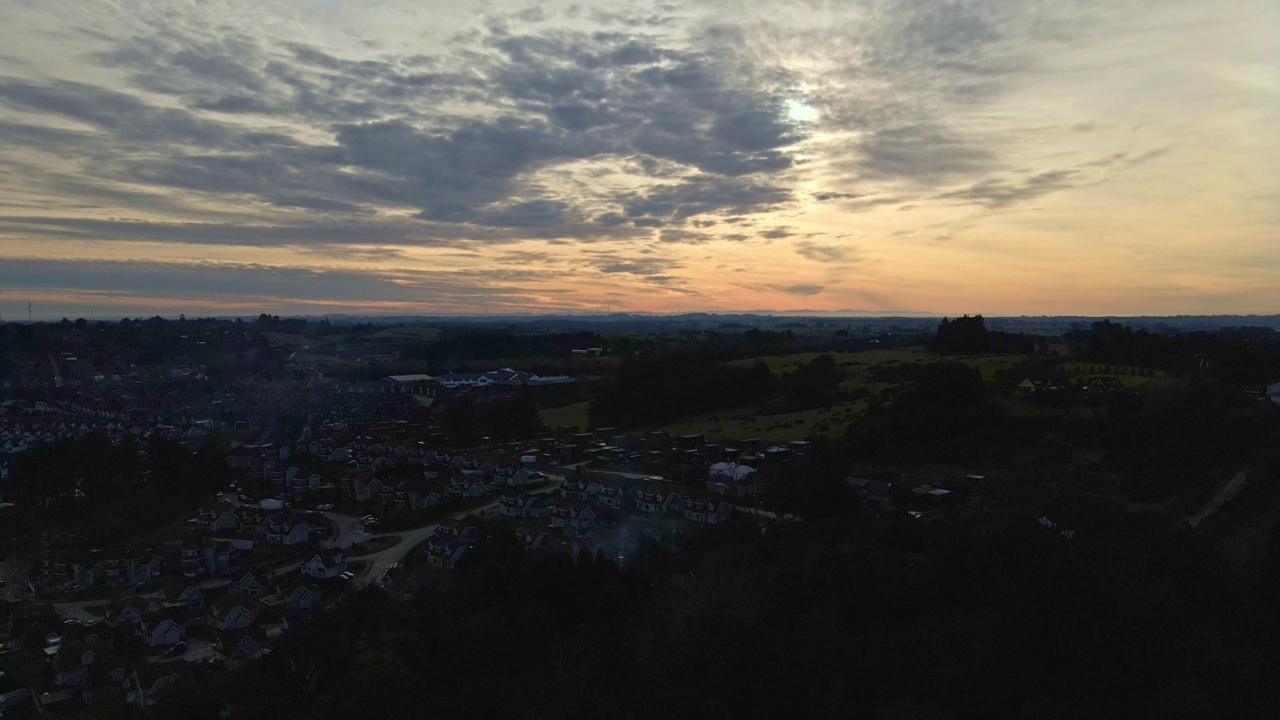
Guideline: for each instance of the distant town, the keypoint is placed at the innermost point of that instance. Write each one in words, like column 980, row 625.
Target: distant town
column 187, row 504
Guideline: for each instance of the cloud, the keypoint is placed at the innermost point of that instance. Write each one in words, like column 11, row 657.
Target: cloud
column 562, row 96
column 703, row 195
column 999, row 194
column 921, row 153
column 803, row 289
column 143, row 282
column 825, row 253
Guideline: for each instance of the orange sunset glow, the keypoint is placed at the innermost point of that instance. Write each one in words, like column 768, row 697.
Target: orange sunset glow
column 886, row 156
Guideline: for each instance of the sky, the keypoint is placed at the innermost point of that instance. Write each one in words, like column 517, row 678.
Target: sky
column 1005, row 157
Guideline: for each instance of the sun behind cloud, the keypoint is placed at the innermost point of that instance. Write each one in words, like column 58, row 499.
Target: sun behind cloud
column 1005, row 157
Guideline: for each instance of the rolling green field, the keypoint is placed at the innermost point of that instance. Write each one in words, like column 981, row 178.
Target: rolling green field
column 779, row 364
column 575, row 414
column 287, row 340
column 741, row 424
column 988, row 365
column 411, row 332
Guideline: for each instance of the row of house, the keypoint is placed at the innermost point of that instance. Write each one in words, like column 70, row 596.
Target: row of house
column 647, row 498
column 503, row 377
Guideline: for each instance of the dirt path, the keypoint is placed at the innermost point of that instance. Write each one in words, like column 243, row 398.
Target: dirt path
column 1225, row 495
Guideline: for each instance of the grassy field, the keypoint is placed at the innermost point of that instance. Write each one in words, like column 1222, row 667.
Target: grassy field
column 411, row 332
column 575, row 414
column 991, row 365
column 287, row 340
column 741, row 424
column 1133, row 377
column 375, row 544
column 779, row 364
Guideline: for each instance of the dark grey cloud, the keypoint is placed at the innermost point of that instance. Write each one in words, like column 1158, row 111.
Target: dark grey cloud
column 921, row 153
column 209, row 280
column 125, row 116
column 804, row 289
column 707, row 195
column 561, row 96
column 825, row 253
column 699, row 115
column 778, row 233
column 231, row 233
column 998, row 193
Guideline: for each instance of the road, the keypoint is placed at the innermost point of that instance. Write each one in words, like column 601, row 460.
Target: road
column 78, row 610
column 350, row 531
column 377, row 564
column 1224, row 495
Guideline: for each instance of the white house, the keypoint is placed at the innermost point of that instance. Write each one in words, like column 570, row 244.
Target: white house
column 236, row 618
column 164, row 633
column 326, row 565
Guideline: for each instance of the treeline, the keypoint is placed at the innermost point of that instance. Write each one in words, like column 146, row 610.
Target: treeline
column 514, row 416
column 651, row 390
column 990, row 615
column 461, row 345
column 970, row 336
column 106, row 493
column 1248, row 359
column 1158, row 444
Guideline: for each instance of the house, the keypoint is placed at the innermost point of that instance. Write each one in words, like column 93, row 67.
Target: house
column 616, row 495
column 301, row 600
column 526, row 505
column 141, row 687
column 239, row 648
column 654, row 501
column 532, row 537
column 284, row 529
column 215, row 520
column 230, row 618
column 190, row 597
column 1273, row 393
column 708, row 510
column 128, row 615
column 473, row 488
column 574, row 520
column 325, row 565
column 877, row 492
column 220, row 558
column 246, row 586
column 191, row 556
column 734, row 479
column 1103, row 385
column 1033, row 386
column 71, row 665
column 446, row 550
column 579, row 489
column 163, row 632
column 512, row 478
